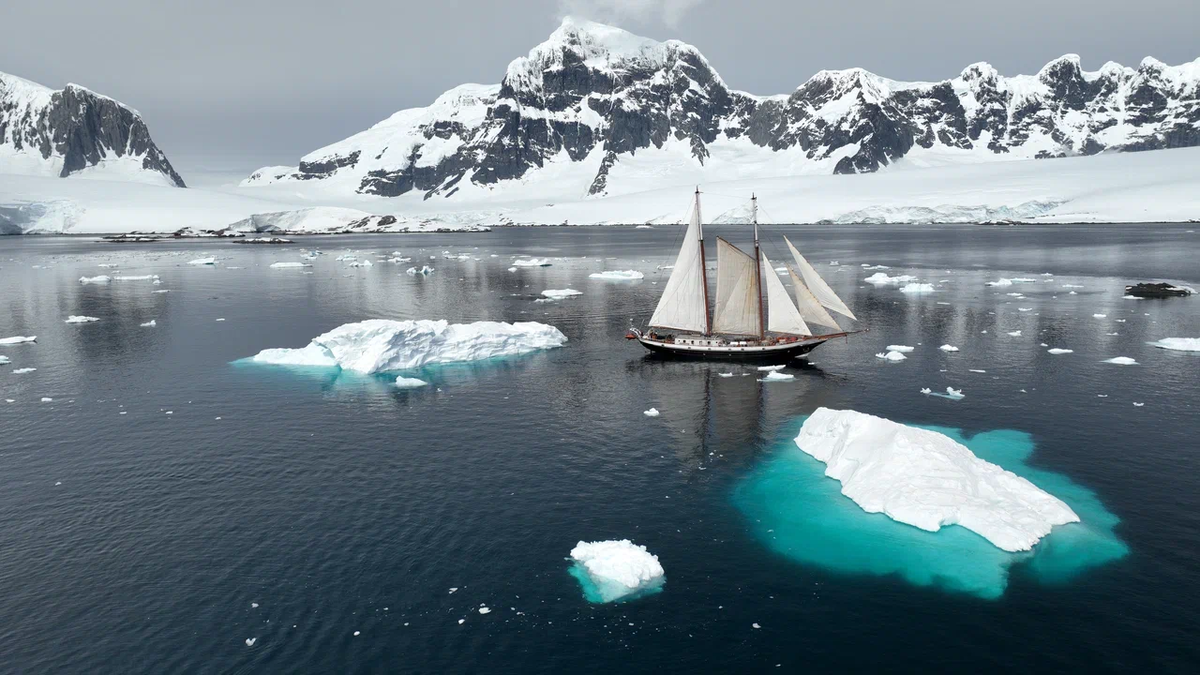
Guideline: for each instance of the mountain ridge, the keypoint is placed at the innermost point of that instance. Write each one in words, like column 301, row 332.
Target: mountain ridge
column 76, row 131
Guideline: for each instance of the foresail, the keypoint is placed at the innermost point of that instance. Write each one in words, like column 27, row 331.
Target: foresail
column 737, row 308
column 782, row 315
column 810, row 308
column 682, row 305
column 817, row 285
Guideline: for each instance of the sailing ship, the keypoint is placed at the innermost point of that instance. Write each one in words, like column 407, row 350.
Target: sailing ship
column 744, row 325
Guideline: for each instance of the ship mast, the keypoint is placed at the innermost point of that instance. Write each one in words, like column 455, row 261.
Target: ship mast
column 703, row 267
column 758, row 267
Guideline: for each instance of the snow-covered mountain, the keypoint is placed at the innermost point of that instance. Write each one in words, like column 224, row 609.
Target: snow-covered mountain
column 76, row 132
column 595, row 110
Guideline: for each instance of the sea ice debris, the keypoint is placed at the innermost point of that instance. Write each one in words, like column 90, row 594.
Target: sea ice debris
column 948, row 348
column 904, row 349
column 150, row 324
column 101, row 279
column 81, row 319
column 1059, row 350
column 617, row 275
column 891, row 356
column 288, row 265
column 22, row 371
column 653, row 412
column 203, row 261
column 776, row 376
column 410, row 382
column 1122, row 361
column 1180, row 344
column 18, row 339
column 618, row 569
column 560, row 293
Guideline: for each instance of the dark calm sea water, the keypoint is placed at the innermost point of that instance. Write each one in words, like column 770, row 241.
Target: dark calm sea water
column 327, row 517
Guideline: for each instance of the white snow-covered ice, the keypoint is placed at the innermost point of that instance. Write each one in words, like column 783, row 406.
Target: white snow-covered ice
column 617, row 275
column 928, row 480
column 560, row 293
column 1122, row 361
column 776, row 376
column 653, row 412
column 882, row 279
column 1181, row 344
column 618, row 569
column 81, row 319
column 381, row 345
column 289, row 265
column 948, row 348
column 917, row 288
column 903, row 349
column 18, row 339
column 100, row 279
column 203, row 261
column 1059, row 350
column 409, row 383
column 891, row 356
column 531, row 262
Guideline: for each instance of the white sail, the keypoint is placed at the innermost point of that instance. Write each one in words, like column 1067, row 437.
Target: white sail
column 817, row 285
column 682, row 305
column 810, row 308
column 782, row 315
column 737, row 308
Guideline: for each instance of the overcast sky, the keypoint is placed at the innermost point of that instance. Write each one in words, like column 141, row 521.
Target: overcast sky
column 269, row 80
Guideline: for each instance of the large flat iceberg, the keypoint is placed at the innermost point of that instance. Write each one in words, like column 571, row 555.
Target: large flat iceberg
column 381, row 345
column 615, row 570
column 1181, row 344
column 927, row 479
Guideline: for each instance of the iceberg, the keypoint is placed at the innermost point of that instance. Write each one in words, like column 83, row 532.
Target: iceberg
column 617, row 275
column 18, row 339
column 1059, row 350
column 953, row 393
column 559, row 294
column 410, row 383
column 412, row 271
column 1121, row 361
column 653, row 412
column 203, row 261
column 948, row 348
column 4, row 359
column 929, row 480
column 881, row 279
column 532, row 262
column 288, row 265
column 101, row 279
column 81, row 319
column 150, row 324
column 1000, row 282
column 776, row 376
column 1180, row 344
column 136, row 277
column 891, row 356
column 766, row 368
column 903, row 349
column 381, row 345
column 1015, row 333
column 615, row 570
column 917, row 288
column 22, row 371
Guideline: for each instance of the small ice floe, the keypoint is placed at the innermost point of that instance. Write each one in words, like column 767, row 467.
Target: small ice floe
column 250, row 641
column 560, row 293
column 1179, row 344
column 917, row 288
column 1015, row 333
column 18, row 339
column 926, row 390
column 1121, row 361
column 776, row 376
column 653, row 412
column 532, row 262
column 755, row 625
column 975, row 370
column 81, row 319
column 347, row 257
column 485, row 610
column 1000, row 282
column 22, row 371
column 150, row 324
column 724, row 374
column 1099, row 316
column 617, row 275
column 512, row 269
column 891, row 356
column 221, row 319
column 881, row 279
column 102, row 279
column 1059, row 350
column 867, row 266
column 203, row 261
column 409, row 383
column 766, row 368
column 425, row 270
column 1138, row 405
column 1071, row 286
column 948, row 348
column 954, row 393
column 904, row 349
column 4, row 359
column 1024, row 309
column 615, row 570
column 288, row 265
column 47, row 399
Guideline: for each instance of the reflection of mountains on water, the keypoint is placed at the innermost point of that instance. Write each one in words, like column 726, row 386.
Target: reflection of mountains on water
column 715, row 421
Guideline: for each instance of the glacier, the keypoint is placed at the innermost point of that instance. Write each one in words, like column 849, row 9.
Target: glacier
column 382, row 345
column 929, row 480
column 610, row 571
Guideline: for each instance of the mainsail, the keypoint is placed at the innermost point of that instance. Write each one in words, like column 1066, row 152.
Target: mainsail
column 683, row 303
column 737, row 308
column 810, row 308
column 782, row 315
column 817, row 285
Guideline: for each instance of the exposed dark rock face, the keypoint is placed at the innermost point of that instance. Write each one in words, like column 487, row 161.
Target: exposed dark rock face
column 1159, row 290
column 77, row 126
column 597, row 95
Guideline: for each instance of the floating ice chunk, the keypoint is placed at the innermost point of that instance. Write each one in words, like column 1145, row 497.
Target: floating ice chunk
column 381, row 345
column 954, row 393
column 1178, row 344
column 724, row 374
column 362, row 263
column 617, row 275
column 766, row 368
column 410, row 382
column 135, row 277
column 653, row 412
column 1138, row 405
column 1099, row 316
column 1121, row 361
column 1024, row 309
column 1022, row 280
column 560, row 293
column 512, row 269
column 4, row 359
column 22, row 371
column 162, row 291
column 288, row 265
column 485, row 610
column 18, row 339
column 776, row 376
column 1000, row 282
column 81, row 319
column 975, row 370
column 1015, row 333
column 1071, row 286
column 150, row 324
column 1059, row 350
column 531, row 262
column 203, row 261
column 917, row 288
column 613, row 570
column 891, row 356
column 101, row 279
column 881, row 279
column 948, row 348
column 926, row 390
column 928, row 480
column 425, row 270
column 47, row 399
column 900, row 348
column 250, row 641
column 346, row 257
